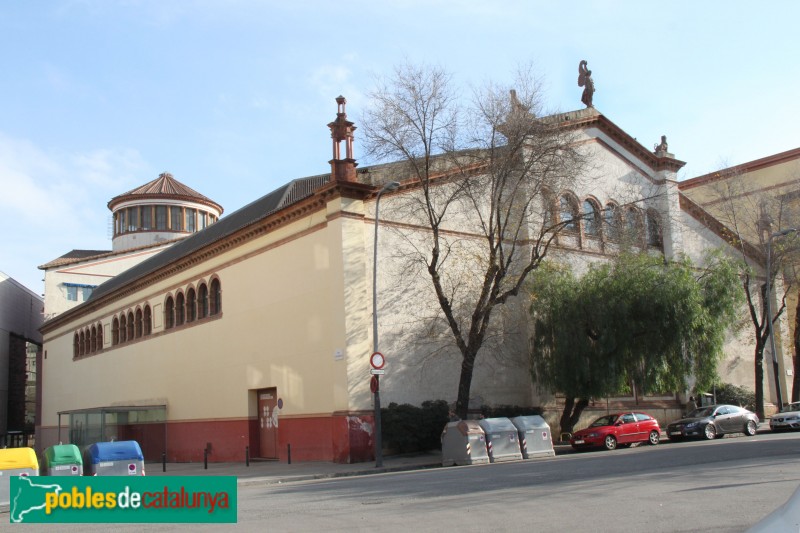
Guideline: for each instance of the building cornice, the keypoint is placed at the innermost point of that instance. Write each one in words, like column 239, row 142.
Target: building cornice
column 758, row 164
column 719, row 229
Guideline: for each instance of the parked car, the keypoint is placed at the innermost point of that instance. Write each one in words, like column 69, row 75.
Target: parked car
column 620, row 429
column 788, row 418
column 713, row 421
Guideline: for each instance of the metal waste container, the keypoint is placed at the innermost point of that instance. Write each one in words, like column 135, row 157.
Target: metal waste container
column 463, row 443
column 15, row 462
column 121, row 458
column 63, row 460
column 535, row 439
column 502, row 439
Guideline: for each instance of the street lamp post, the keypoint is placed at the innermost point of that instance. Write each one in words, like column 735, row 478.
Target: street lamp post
column 770, row 332
column 392, row 185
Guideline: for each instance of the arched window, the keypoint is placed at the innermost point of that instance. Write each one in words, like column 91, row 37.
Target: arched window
column 99, row 336
column 131, row 326
column 591, row 218
column 76, row 342
column 148, row 321
column 93, row 346
column 139, row 325
column 611, row 222
column 180, row 309
column 169, row 313
column 191, row 305
column 633, row 226
column 654, row 237
column 115, row 331
column 82, row 344
column 567, row 213
column 123, row 328
column 202, row 301
column 216, row 297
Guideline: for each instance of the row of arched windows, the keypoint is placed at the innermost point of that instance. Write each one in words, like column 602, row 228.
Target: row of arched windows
column 185, row 307
column 190, row 305
column 611, row 222
column 130, row 326
column 88, row 340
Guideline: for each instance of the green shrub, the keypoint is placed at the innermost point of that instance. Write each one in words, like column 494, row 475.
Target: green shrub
column 407, row 428
column 508, row 411
column 735, row 395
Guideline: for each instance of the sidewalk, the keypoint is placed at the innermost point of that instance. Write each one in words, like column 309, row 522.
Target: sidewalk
column 261, row 472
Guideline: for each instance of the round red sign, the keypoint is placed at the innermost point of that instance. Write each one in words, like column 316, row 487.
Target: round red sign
column 377, row 360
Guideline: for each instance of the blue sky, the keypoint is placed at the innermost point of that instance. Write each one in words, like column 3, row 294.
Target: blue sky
column 233, row 96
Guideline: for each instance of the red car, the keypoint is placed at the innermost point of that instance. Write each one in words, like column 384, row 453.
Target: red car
column 620, row 429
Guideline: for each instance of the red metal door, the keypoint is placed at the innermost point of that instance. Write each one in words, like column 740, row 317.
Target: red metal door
column 268, row 423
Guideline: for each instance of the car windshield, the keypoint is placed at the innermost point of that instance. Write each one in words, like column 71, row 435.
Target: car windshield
column 604, row 421
column 701, row 412
column 791, row 407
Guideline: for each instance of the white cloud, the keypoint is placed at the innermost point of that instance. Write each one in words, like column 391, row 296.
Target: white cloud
column 53, row 202
column 40, row 187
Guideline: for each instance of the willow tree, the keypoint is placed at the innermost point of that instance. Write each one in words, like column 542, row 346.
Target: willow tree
column 476, row 173
column 636, row 321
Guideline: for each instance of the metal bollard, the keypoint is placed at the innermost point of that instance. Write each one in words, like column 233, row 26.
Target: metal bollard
column 205, row 459
column 164, row 462
column 289, row 453
column 247, row 455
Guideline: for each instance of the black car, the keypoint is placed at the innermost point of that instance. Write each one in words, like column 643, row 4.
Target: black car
column 713, row 421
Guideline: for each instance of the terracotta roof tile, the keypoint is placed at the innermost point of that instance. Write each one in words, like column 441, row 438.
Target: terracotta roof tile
column 165, row 185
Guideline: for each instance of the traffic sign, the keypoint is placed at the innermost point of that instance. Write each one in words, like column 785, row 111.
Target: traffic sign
column 377, row 360
column 374, row 384
column 377, row 371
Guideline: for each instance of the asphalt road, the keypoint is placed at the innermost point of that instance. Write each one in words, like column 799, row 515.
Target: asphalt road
column 716, row 486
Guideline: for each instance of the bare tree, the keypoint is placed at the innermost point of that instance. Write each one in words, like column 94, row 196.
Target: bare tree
column 482, row 176
column 751, row 216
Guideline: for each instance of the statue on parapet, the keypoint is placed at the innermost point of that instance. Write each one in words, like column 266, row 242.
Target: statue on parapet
column 662, row 149
column 585, row 80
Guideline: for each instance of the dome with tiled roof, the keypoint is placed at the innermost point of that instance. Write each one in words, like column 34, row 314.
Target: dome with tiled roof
column 160, row 210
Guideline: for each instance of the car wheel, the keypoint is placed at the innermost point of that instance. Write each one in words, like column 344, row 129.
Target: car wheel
column 654, row 437
column 750, row 428
column 610, row 443
column 710, row 432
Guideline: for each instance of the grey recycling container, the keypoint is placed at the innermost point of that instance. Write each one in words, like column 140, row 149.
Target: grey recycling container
column 463, row 443
column 535, row 439
column 502, row 439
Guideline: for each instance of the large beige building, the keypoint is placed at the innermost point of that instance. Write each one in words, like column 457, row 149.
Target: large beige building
column 256, row 331
column 750, row 202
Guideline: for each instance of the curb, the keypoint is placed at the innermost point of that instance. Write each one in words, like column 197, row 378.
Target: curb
column 330, row 475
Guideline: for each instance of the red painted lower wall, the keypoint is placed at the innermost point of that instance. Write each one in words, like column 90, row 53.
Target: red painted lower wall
column 346, row 438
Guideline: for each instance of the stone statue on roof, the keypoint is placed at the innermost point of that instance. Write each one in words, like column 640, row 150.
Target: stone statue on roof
column 516, row 105
column 585, row 80
column 662, row 149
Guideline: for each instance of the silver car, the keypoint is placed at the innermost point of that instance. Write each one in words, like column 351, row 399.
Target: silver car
column 788, row 418
column 713, row 421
